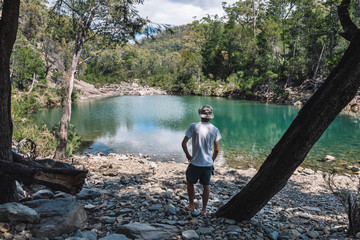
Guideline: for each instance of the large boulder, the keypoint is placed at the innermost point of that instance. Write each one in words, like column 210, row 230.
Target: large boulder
column 17, row 212
column 147, row 231
column 57, row 216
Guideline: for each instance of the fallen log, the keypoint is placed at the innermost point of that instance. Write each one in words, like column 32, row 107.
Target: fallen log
column 29, row 172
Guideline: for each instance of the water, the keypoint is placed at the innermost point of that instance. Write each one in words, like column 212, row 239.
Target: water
column 155, row 125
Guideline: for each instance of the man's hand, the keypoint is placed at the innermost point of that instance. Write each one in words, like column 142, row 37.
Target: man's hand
column 216, row 150
column 184, row 147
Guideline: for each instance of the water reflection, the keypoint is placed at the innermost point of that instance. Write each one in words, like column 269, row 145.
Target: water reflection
column 155, row 125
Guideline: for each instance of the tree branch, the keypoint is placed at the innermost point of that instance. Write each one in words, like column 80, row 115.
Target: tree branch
column 63, row 179
column 347, row 24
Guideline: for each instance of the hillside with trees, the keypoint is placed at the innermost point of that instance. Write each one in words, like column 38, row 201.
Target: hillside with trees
column 257, row 46
column 256, row 50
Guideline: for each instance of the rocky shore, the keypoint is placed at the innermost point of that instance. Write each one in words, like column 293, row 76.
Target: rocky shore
column 132, row 197
column 291, row 95
column 89, row 91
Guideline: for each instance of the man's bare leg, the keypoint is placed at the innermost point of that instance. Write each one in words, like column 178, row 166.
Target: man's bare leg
column 205, row 199
column 191, row 194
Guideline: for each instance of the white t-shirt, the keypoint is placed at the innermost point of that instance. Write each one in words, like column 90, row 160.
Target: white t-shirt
column 203, row 135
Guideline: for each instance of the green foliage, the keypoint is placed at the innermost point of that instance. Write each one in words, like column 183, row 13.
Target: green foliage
column 74, row 139
column 257, row 43
column 279, row 91
column 25, row 104
column 74, row 95
column 26, row 64
column 24, row 127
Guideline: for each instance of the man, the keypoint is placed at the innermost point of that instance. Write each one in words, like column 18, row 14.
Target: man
column 203, row 135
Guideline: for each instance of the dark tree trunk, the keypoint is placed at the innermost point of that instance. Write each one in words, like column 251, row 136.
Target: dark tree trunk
column 8, row 30
column 312, row 120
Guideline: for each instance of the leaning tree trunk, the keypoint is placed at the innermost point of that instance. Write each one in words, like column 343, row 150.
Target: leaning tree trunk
column 8, row 30
column 312, row 120
column 60, row 152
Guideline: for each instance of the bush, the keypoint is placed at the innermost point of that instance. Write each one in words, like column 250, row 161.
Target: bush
column 44, row 140
column 25, row 103
column 74, row 140
column 26, row 64
column 74, row 94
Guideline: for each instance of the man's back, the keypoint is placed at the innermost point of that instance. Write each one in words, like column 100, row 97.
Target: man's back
column 203, row 135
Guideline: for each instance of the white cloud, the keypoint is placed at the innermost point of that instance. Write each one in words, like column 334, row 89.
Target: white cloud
column 178, row 12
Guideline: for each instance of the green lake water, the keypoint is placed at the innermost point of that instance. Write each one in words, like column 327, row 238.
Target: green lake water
column 155, row 125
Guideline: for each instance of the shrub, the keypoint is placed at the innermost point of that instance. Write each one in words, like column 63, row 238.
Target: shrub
column 74, row 140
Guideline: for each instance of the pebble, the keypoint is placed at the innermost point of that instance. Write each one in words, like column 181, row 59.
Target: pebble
column 304, row 209
column 190, row 234
column 4, row 227
column 20, row 227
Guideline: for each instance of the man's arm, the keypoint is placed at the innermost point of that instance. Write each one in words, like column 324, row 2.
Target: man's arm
column 185, row 149
column 216, row 150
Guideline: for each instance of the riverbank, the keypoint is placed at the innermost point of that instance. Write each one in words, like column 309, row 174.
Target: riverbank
column 132, row 195
column 296, row 96
column 155, row 193
column 89, row 91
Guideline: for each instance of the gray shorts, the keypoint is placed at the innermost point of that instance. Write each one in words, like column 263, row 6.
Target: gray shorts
column 194, row 173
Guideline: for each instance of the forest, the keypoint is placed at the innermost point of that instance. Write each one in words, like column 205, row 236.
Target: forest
column 256, row 47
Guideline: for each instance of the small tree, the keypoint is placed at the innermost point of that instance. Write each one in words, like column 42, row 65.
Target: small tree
column 112, row 20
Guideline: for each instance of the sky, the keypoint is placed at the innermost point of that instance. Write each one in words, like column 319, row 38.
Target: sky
column 179, row 12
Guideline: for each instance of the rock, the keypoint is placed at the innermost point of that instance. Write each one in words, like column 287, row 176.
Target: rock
column 58, row 216
column 230, row 221
column 302, row 215
column 87, row 194
column 313, row 234
column 328, row 158
column 89, row 235
column 314, row 209
column 16, row 212
column 126, row 210
column 110, row 173
column 43, row 194
column 171, row 209
column 4, row 227
column 308, row 171
column 89, row 206
column 205, row 230
column 190, row 234
column 182, row 223
column 334, row 238
column 233, row 228
column 194, row 222
column 298, row 103
column 108, row 219
column 115, row 237
column 155, row 207
column 20, row 227
column 147, row 231
column 273, row 235
column 354, row 169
